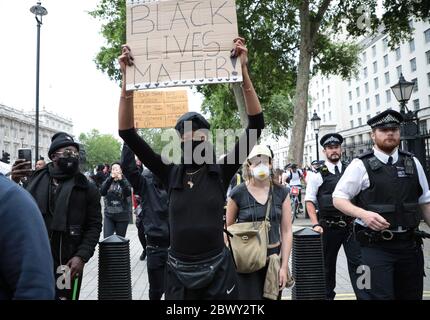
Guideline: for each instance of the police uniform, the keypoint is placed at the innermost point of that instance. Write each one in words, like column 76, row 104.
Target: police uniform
column 392, row 186
column 337, row 227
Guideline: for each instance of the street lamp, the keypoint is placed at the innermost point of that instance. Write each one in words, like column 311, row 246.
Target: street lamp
column 38, row 12
column 409, row 130
column 316, row 122
column 402, row 91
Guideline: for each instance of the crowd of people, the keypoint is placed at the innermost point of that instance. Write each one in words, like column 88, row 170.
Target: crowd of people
column 184, row 211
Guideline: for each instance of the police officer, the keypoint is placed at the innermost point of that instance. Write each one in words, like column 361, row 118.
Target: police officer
column 335, row 227
column 390, row 188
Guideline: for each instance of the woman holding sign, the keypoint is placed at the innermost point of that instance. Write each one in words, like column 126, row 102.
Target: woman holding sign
column 199, row 265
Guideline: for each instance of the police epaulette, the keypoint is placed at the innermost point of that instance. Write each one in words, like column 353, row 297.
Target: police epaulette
column 365, row 155
column 406, row 153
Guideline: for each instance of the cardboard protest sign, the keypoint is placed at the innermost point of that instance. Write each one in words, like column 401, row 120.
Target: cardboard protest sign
column 181, row 42
column 159, row 108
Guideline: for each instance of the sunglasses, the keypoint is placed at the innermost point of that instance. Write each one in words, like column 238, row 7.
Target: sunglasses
column 68, row 153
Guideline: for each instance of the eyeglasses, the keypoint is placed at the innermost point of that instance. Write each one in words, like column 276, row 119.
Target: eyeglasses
column 68, row 153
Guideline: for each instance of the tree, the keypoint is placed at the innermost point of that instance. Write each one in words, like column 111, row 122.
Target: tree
column 100, row 148
column 320, row 20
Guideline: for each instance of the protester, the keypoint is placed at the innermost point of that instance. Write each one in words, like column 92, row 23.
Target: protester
column 249, row 202
column 153, row 218
column 199, row 265
column 116, row 190
column 70, row 206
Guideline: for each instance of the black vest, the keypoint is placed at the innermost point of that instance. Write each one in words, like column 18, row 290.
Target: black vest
column 394, row 190
column 325, row 191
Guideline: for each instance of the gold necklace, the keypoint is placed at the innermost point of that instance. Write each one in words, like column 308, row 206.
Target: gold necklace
column 190, row 177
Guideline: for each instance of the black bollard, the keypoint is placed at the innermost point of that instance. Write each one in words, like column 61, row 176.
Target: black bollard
column 308, row 266
column 114, row 269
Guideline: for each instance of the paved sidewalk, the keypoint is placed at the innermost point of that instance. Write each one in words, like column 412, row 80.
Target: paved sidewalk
column 140, row 278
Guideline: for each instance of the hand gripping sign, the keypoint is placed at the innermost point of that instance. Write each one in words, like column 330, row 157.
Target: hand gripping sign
column 181, row 43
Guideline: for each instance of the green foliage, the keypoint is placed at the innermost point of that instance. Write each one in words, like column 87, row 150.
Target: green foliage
column 100, row 148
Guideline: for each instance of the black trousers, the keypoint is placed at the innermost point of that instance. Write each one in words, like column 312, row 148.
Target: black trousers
column 111, row 226
column 333, row 239
column 156, row 266
column 395, row 274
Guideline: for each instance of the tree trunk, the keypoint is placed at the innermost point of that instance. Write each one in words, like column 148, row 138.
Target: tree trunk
column 295, row 151
column 240, row 101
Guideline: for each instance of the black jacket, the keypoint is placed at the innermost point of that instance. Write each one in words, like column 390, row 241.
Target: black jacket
column 83, row 216
column 154, row 203
column 116, row 198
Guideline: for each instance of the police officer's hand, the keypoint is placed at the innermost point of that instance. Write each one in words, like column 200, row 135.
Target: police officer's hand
column 76, row 266
column 375, row 221
column 318, row 229
column 21, row 169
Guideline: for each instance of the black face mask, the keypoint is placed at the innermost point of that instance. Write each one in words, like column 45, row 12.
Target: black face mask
column 68, row 165
column 188, row 152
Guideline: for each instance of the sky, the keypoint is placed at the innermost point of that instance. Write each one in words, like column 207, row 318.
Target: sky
column 70, row 84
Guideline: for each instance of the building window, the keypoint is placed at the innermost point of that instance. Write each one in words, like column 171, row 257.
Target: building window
column 416, row 84
column 386, row 60
column 329, row 102
column 350, row 95
column 399, row 71
column 416, row 104
column 388, row 95
column 359, row 122
column 328, row 89
column 368, row 117
column 323, row 105
column 377, row 100
column 322, row 93
column 318, row 107
column 376, row 82
column 323, row 117
column 364, row 56
column 385, row 43
column 428, row 57
column 329, row 116
column 366, row 87
column 374, row 50
column 318, row 95
column 350, row 110
column 352, row 123
column 367, row 104
column 398, row 54
column 358, row 107
column 428, row 78
column 412, row 45
column 365, row 71
column 375, row 67
column 413, row 63
column 387, row 77
column 427, row 35
column 349, row 82
column 357, row 91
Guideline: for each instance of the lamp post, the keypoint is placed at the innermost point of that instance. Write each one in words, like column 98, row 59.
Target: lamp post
column 316, row 122
column 38, row 12
column 409, row 133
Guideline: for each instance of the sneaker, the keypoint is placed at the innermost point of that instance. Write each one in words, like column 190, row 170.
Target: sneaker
column 143, row 255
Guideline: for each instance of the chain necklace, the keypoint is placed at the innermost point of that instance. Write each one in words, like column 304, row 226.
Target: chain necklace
column 190, row 177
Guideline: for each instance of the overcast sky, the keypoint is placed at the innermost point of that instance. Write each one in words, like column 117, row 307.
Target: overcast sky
column 70, row 84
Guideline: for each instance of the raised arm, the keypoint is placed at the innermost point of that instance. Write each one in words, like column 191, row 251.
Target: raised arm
column 237, row 156
column 127, row 132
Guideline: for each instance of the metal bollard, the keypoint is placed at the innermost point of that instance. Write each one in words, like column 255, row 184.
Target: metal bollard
column 308, row 266
column 114, row 269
